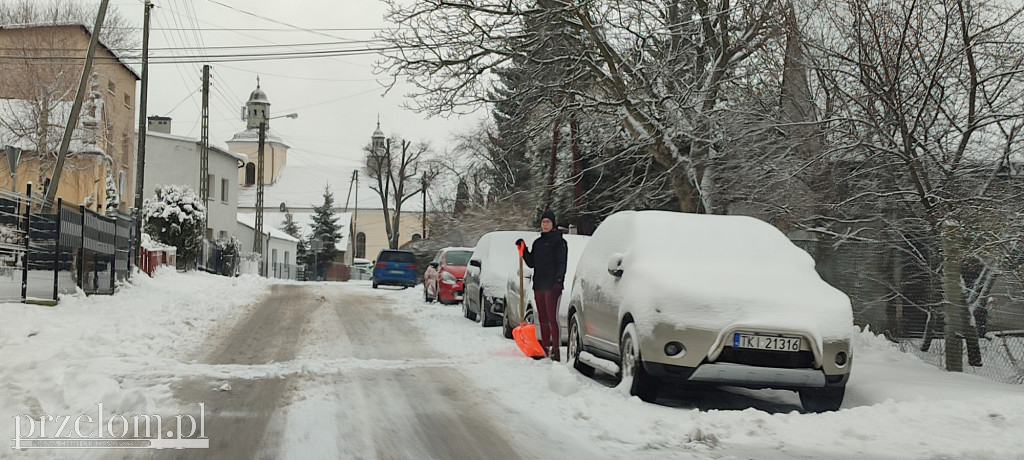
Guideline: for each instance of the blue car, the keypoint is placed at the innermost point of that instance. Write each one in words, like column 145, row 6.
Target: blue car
column 395, row 268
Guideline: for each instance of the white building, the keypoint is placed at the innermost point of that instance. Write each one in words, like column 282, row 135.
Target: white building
column 278, row 247
column 174, row 160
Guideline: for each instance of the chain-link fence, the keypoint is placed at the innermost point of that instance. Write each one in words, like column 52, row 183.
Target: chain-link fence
column 896, row 290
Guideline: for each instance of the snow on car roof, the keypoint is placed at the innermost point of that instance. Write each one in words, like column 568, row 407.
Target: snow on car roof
column 716, row 271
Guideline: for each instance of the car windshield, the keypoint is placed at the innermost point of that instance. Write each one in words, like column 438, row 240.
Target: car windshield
column 396, row 256
column 458, row 257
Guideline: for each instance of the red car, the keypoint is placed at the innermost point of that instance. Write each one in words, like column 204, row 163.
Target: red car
column 443, row 279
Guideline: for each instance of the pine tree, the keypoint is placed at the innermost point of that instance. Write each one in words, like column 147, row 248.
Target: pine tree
column 325, row 228
column 291, row 227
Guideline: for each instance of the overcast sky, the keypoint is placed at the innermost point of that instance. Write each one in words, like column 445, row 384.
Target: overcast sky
column 338, row 98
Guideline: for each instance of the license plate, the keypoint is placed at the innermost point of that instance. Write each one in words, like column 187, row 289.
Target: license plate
column 765, row 342
column 397, row 272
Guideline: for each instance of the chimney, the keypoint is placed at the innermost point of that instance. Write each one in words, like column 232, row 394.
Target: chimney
column 159, row 124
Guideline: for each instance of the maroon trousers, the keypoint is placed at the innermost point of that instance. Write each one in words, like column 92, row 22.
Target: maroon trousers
column 547, row 316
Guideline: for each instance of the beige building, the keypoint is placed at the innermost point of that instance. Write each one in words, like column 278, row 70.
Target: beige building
column 38, row 81
column 295, row 183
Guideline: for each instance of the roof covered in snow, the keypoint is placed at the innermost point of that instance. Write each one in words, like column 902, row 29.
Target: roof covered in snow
column 275, row 220
column 249, row 220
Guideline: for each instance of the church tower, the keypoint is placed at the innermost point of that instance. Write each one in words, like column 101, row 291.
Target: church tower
column 275, row 151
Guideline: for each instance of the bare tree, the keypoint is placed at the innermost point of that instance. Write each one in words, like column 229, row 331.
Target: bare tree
column 661, row 69
column 924, row 104
column 397, row 176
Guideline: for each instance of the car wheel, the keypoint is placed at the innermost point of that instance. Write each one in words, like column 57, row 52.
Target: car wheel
column 825, row 399
column 528, row 316
column 482, row 315
column 645, row 386
column 467, row 313
column 506, row 328
column 375, row 285
column 576, row 347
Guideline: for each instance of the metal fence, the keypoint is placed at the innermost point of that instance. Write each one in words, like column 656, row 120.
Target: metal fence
column 896, row 293
column 48, row 249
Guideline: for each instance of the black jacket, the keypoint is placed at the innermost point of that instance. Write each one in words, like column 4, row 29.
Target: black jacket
column 547, row 259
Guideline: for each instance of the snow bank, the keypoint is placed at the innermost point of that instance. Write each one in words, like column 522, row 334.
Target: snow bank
column 66, row 359
column 896, row 406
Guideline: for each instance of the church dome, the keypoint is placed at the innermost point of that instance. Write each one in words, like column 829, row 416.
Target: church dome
column 258, row 96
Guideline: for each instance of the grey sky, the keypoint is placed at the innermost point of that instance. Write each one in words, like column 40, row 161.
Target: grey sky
column 338, row 99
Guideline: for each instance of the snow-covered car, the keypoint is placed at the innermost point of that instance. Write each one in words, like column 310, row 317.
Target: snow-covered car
column 442, row 281
column 666, row 297
column 494, row 257
column 510, row 318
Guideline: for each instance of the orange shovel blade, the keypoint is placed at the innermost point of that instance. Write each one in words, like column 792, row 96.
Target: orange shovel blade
column 526, row 338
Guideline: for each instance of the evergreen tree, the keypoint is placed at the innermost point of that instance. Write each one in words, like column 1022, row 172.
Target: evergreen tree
column 291, row 227
column 325, row 228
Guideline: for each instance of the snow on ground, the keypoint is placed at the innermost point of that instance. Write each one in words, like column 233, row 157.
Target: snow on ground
column 895, row 405
column 68, row 358
column 123, row 351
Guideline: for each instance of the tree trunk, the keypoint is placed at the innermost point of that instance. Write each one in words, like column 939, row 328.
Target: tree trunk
column 549, row 187
column 958, row 321
column 577, row 173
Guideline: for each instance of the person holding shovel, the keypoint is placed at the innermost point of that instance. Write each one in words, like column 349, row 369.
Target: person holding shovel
column 547, row 258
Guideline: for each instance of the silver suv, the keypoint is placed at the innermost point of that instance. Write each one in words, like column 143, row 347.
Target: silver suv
column 669, row 298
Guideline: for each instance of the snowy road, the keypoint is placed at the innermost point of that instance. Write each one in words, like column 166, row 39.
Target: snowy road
column 393, row 397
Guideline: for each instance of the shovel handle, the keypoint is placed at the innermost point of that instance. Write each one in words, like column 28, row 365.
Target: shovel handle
column 522, row 306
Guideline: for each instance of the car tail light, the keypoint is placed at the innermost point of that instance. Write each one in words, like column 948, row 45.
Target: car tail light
column 412, row 266
column 380, row 265
column 841, row 359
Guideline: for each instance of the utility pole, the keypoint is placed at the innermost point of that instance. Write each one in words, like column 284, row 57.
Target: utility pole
column 355, row 213
column 140, row 161
column 258, row 237
column 423, row 188
column 204, row 152
column 76, row 108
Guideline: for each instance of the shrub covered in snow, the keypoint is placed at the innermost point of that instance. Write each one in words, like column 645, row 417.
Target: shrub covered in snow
column 178, row 218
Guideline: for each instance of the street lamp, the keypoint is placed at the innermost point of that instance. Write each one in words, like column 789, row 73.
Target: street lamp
column 259, row 109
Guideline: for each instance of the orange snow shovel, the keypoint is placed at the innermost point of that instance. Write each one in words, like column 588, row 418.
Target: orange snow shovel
column 525, row 334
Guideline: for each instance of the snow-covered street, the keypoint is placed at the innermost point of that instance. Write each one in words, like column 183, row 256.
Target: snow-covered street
column 341, row 370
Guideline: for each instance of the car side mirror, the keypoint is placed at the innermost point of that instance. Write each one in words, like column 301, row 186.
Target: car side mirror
column 475, row 263
column 615, row 265
column 435, row 264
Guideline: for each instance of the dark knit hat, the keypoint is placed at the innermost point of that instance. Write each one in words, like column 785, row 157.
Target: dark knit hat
column 547, row 214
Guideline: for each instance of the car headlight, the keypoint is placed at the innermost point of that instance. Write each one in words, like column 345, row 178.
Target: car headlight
column 447, row 277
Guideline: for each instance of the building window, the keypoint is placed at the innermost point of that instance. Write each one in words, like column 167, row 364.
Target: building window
column 122, row 181
column 287, row 258
column 211, row 186
column 127, row 100
column 250, row 173
column 224, row 190
column 361, row 245
column 209, row 233
column 223, row 235
column 111, row 87
column 126, row 146
column 416, row 237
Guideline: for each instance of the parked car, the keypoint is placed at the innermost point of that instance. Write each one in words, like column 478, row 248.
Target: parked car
column 395, row 267
column 494, row 257
column 362, row 269
column 443, row 279
column 728, row 300
column 510, row 318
